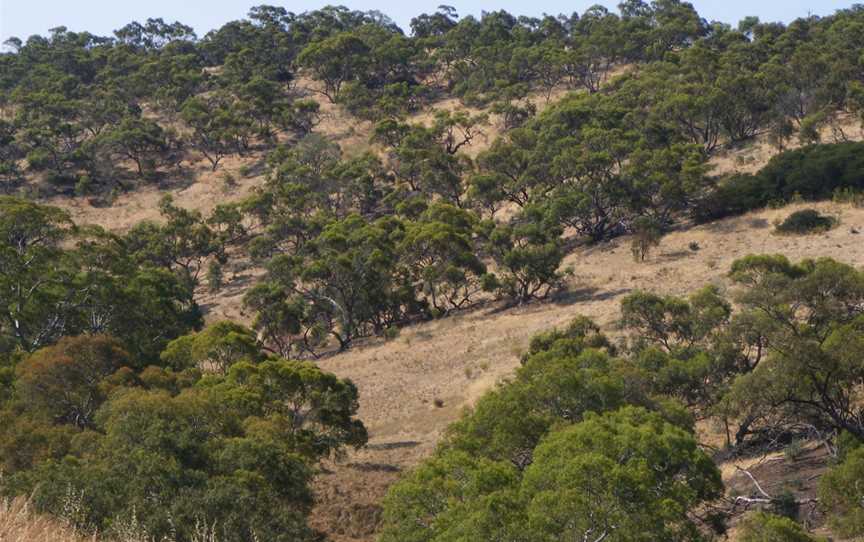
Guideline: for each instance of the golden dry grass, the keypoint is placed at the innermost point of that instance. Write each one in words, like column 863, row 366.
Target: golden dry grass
column 19, row 523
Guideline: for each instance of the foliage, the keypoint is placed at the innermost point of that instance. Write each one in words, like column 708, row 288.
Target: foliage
column 599, row 477
column 171, row 450
column 216, row 348
column 840, row 491
column 50, row 290
column 111, row 396
column 804, row 222
column 65, row 380
column 646, row 235
column 813, row 172
column 762, row 527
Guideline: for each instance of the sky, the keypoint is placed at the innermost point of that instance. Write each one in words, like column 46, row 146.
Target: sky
column 23, row 18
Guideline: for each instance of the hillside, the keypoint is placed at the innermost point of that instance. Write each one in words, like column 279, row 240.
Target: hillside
column 456, row 360
column 412, row 387
column 315, row 277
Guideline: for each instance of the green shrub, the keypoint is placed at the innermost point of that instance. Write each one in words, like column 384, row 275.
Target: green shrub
column 842, row 493
column 762, row 527
column 809, row 173
column 804, row 222
column 785, row 505
column 793, row 450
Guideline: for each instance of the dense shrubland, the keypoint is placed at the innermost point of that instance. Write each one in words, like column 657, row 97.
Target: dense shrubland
column 121, row 414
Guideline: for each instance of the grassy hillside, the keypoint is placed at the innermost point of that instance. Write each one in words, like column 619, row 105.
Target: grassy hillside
column 281, row 281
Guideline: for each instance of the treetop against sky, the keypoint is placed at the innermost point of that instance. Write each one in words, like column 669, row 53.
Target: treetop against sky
column 22, row 19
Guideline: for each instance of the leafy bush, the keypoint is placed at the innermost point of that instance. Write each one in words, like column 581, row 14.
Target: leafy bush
column 762, row 527
column 804, row 222
column 842, row 492
column 812, row 172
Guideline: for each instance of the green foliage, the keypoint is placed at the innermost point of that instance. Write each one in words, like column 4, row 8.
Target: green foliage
column 810, row 373
column 528, row 256
column 140, row 140
column 216, row 348
column 335, row 60
column 181, row 243
column 441, row 251
column 806, row 221
column 813, row 172
column 358, row 246
column 762, row 527
column 841, row 492
column 64, row 381
column 218, row 128
column 170, row 450
column 600, row 477
column 579, row 334
column 628, row 473
column 57, row 280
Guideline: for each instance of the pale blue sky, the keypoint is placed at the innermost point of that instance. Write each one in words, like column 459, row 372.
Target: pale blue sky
column 23, row 18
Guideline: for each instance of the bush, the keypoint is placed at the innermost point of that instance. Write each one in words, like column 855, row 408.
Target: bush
column 804, row 222
column 762, row 527
column 813, row 172
column 646, row 235
column 842, row 493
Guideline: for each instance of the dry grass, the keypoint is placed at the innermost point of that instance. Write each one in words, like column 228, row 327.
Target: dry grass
column 19, row 523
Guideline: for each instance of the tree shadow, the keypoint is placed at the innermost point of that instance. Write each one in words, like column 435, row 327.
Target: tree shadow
column 582, row 295
column 374, row 467
column 393, row 445
column 675, row 255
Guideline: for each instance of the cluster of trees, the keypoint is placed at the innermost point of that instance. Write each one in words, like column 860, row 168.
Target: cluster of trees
column 58, row 279
column 120, row 418
column 594, row 441
column 75, row 104
column 813, row 172
column 91, row 111
column 351, row 251
column 119, row 411
column 356, row 246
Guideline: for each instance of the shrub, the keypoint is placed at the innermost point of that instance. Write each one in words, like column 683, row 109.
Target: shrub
column 842, row 493
column 646, row 235
column 762, row 527
column 804, row 222
column 793, row 450
column 812, row 172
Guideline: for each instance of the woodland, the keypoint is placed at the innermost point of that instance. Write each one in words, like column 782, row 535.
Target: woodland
column 128, row 413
